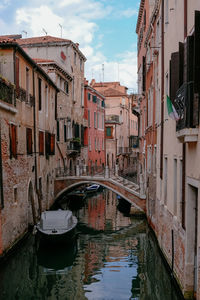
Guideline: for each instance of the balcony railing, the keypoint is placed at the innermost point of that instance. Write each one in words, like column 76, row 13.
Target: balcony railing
column 73, row 147
column 7, row 92
column 123, row 150
column 112, row 119
column 186, row 104
column 134, row 141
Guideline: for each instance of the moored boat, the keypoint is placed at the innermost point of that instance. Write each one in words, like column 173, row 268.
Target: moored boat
column 93, row 188
column 57, row 225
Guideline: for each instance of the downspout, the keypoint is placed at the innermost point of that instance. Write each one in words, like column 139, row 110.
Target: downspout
column 184, row 145
column 162, row 93
column 35, row 148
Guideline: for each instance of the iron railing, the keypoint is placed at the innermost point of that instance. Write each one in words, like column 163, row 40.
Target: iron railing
column 7, row 92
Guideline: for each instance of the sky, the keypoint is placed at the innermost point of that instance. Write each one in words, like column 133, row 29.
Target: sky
column 104, row 29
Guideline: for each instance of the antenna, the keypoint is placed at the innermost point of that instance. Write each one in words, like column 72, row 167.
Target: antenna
column 24, row 32
column 60, row 29
column 44, row 31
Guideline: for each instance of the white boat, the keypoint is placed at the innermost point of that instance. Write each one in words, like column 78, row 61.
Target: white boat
column 57, row 225
column 93, row 188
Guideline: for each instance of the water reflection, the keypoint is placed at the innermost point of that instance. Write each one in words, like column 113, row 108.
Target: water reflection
column 114, row 257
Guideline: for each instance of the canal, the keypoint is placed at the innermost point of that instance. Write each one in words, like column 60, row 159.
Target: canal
column 115, row 256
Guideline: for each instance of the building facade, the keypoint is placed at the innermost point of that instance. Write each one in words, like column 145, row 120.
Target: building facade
column 120, row 124
column 69, row 77
column 169, row 48
column 95, row 134
column 27, row 122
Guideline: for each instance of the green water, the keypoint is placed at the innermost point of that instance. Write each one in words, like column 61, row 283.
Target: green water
column 113, row 257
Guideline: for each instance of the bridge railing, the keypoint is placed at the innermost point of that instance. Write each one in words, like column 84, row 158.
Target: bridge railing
column 83, row 170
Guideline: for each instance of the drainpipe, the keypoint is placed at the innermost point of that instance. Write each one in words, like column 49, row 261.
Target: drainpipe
column 35, row 149
column 184, row 145
column 162, row 93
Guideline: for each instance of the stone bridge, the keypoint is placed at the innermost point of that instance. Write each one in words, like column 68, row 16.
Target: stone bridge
column 119, row 185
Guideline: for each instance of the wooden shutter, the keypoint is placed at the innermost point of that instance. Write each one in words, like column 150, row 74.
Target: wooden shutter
column 58, row 131
column 197, row 52
column 190, row 58
column 29, row 140
column 17, row 75
column 52, row 144
column 39, row 94
column 13, row 141
column 181, row 63
column 41, row 143
column 47, row 144
column 174, row 75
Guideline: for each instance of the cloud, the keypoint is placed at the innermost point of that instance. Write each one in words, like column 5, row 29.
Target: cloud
column 38, row 18
column 129, row 13
column 123, row 69
column 4, row 4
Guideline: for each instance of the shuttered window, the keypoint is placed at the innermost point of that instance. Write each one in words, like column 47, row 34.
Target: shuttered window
column 49, row 144
column 13, row 141
column 40, row 93
column 52, row 144
column 29, row 141
column 58, row 131
column 17, row 75
column 41, row 143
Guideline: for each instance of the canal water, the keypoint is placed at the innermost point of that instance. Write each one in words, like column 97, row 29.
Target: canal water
column 114, row 256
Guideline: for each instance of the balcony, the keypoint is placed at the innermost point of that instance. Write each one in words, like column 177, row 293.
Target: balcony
column 134, row 141
column 123, row 150
column 186, row 104
column 7, row 92
column 112, row 119
column 73, row 147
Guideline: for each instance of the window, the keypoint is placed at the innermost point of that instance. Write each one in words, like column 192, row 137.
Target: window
column 75, row 58
column 89, row 96
column 41, row 143
column 15, row 195
column 40, row 93
column 98, row 120
column 58, row 131
column 95, row 119
column 103, row 122
column 90, row 148
column 65, row 133
column 175, row 187
column 29, row 141
column 95, row 143
column 149, row 155
column 40, row 187
column 27, row 84
column 46, row 99
column 109, row 132
column 13, row 141
column 16, row 75
column 82, row 95
column 66, row 87
column 94, row 99
column 49, row 144
column 88, row 118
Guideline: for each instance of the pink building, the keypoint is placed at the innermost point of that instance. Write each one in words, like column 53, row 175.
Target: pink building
column 94, row 135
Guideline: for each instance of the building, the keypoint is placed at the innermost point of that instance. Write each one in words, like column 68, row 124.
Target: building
column 28, row 127
column 169, row 61
column 95, row 134
column 65, row 65
column 120, row 124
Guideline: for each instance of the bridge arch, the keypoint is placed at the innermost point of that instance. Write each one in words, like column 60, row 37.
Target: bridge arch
column 64, row 185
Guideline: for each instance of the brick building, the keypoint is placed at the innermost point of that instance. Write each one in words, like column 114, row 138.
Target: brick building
column 27, row 125
column 95, row 134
